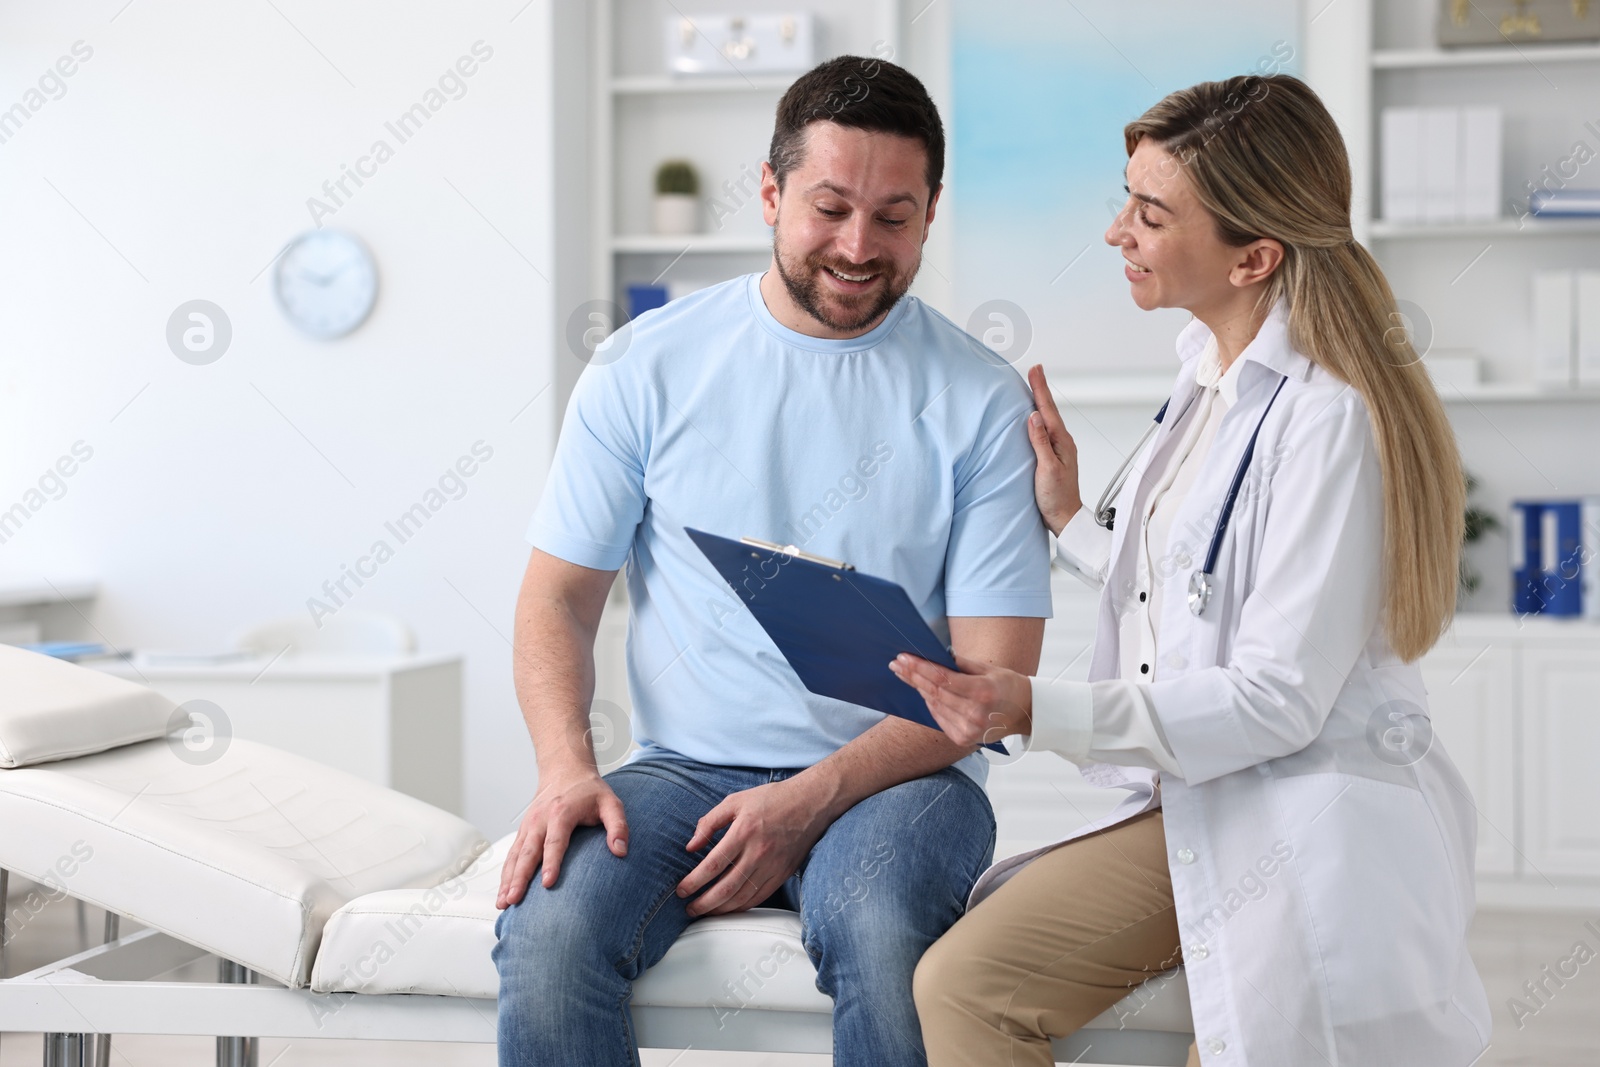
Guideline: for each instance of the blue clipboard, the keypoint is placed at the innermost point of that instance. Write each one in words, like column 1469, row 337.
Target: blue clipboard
column 837, row 627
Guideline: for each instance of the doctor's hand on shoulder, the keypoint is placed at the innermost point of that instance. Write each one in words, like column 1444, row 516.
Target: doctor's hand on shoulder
column 977, row 705
column 1055, row 477
column 981, row 703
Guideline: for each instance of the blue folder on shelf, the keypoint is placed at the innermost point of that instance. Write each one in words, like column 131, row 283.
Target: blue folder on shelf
column 837, row 627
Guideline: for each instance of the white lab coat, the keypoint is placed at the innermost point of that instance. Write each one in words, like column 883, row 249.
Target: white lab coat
column 1323, row 882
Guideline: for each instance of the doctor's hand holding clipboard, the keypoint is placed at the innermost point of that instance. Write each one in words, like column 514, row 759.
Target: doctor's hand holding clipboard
column 982, row 703
column 1273, row 557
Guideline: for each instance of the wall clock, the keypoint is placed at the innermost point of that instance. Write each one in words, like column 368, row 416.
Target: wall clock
column 326, row 283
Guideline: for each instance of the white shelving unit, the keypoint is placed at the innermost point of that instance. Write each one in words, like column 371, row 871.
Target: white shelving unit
column 720, row 123
column 1509, row 697
column 1474, row 279
column 1512, row 701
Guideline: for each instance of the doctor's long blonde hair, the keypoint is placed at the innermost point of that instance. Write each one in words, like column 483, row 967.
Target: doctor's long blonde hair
column 1266, row 159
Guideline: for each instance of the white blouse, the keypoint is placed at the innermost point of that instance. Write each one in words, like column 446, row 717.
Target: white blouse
column 1114, row 715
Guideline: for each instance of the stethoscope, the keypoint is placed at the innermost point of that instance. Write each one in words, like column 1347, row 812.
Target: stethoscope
column 1106, row 514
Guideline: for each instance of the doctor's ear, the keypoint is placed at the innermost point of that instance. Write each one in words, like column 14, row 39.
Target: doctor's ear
column 1255, row 263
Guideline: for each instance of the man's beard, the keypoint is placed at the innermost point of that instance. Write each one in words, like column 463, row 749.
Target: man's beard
column 835, row 310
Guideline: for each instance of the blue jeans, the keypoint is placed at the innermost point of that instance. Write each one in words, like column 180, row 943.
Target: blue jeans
column 568, row 955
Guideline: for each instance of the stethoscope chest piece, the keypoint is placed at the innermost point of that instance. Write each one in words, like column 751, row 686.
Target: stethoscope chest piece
column 1199, row 592
column 1200, row 580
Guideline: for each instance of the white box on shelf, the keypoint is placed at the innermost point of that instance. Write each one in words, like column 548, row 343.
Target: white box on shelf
column 1478, row 195
column 1586, row 309
column 1454, row 367
column 20, row 632
column 1554, row 356
column 681, row 287
column 723, row 44
column 1441, row 163
column 1402, row 164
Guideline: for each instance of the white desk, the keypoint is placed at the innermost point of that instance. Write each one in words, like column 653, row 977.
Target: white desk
column 39, row 610
column 393, row 720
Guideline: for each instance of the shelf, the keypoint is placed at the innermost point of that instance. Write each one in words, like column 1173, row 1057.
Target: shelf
column 1501, row 56
column 653, row 244
column 1515, row 392
column 1131, row 390
column 1492, row 625
column 646, row 85
column 1110, row 389
column 26, row 593
column 1532, row 227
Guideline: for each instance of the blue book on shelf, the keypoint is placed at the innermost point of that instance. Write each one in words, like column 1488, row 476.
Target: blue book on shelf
column 1548, row 557
column 1565, row 203
column 68, row 650
column 642, row 298
column 1522, row 531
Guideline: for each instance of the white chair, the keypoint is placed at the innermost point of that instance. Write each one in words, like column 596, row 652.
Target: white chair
column 349, row 633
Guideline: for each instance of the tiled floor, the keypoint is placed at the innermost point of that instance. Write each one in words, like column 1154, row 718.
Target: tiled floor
column 1511, row 948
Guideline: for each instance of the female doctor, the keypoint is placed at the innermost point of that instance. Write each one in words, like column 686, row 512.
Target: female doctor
column 1283, row 550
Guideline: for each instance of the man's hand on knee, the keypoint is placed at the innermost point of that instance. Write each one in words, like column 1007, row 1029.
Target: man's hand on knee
column 771, row 828
column 559, row 808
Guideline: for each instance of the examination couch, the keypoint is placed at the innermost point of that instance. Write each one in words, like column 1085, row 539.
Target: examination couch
column 329, row 907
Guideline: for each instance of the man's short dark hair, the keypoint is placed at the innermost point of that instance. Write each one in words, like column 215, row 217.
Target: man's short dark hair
column 863, row 94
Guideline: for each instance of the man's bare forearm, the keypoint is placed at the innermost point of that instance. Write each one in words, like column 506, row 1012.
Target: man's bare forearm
column 895, row 750
column 558, row 614
column 891, row 752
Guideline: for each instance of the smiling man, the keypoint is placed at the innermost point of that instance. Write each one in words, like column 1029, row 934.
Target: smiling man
column 762, row 407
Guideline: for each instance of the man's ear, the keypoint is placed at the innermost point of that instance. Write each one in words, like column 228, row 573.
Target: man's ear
column 1257, row 260
column 770, row 194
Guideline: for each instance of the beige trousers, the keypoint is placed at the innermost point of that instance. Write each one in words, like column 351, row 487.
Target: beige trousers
column 1064, row 939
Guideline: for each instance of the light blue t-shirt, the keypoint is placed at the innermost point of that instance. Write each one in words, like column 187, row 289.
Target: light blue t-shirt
column 903, row 451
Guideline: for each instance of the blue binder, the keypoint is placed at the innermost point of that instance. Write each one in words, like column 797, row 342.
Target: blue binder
column 1549, row 558
column 837, row 627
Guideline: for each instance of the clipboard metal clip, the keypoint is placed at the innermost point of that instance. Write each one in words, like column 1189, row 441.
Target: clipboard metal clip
column 791, row 550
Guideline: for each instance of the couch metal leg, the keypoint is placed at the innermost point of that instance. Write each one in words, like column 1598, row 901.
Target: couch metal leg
column 101, row 1043
column 237, row 1051
column 5, row 917
column 66, row 1050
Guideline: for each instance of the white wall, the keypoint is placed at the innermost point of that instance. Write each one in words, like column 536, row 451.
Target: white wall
column 177, row 162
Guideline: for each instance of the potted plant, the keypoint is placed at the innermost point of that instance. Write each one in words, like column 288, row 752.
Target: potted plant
column 677, row 206
column 1479, row 522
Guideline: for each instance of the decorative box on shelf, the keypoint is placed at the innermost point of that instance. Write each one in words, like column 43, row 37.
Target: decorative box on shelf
column 1514, row 22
